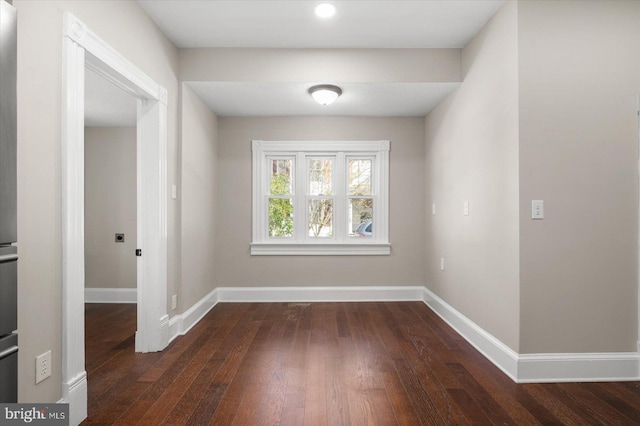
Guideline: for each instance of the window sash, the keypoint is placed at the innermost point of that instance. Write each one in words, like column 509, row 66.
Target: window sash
column 309, row 159
column 283, row 226
column 340, row 197
column 268, row 170
column 376, row 152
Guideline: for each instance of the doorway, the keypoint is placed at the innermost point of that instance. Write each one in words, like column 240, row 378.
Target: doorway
column 110, row 224
column 82, row 48
column 110, row 196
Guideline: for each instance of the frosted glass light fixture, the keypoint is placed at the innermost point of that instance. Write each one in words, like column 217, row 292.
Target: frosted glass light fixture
column 325, row 94
column 325, row 10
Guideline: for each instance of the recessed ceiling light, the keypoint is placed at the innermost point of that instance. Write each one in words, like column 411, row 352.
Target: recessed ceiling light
column 325, row 10
column 325, row 94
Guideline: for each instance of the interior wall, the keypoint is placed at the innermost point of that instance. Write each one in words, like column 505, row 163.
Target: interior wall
column 236, row 267
column 110, row 207
column 199, row 184
column 579, row 85
column 125, row 26
column 472, row 155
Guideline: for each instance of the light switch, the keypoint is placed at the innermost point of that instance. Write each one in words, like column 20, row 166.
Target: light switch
column 442, row 263
column 537, row 209
column 174, row 192
column 433, row 208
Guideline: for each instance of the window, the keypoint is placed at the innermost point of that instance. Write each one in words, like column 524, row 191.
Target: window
column 315, row 198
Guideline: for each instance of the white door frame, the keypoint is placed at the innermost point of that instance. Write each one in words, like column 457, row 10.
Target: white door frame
column 153, row 321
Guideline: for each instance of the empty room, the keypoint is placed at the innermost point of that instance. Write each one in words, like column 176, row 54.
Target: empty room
column 307, row 212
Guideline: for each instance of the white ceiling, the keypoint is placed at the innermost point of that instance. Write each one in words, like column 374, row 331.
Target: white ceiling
column 357, row 24
column 292, row 24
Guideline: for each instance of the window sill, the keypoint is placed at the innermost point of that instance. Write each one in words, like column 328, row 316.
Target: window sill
column 280, row 249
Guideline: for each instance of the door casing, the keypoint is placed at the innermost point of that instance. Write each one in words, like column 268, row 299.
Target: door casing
column 82, row 47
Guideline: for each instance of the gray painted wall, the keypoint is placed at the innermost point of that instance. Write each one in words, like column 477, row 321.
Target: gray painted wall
column 110, row 207
column 472, row 155
column 579, row 83
column 542, row 114
column 198, row 198
column 405, row 265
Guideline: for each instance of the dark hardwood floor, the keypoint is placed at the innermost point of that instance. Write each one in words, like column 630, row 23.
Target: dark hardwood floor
column 323, row 364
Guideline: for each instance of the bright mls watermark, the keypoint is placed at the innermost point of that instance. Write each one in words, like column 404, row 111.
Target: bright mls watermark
column 36, row 414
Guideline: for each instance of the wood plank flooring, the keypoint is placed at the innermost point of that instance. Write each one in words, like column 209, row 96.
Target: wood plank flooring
column 323, row 364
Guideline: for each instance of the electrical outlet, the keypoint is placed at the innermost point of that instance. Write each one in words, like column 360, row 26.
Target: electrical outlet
column 174, row 302
column 466, row 208
column 43, row 366
column 433, row 208
column 442, row 263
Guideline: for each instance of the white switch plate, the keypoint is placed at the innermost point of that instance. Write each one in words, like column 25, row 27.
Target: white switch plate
column 174, row 192
column 174, row 301
column 433, row 208
column 43, row 366
column 442, row 263
column 466, row 208
column 537, row 209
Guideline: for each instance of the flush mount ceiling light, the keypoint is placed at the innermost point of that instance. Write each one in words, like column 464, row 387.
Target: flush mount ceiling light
column 325, row 10
column 325, row 94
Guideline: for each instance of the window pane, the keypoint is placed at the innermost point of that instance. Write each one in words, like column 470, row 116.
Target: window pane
column 321, row 218
column 360, row 217
column 360, row 177
column 280, row 217
column 281, row 172
column 320, row 177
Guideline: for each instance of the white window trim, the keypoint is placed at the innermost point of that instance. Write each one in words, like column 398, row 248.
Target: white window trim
column 340, row 245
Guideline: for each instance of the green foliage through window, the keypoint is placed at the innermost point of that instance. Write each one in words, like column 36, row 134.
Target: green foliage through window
column 280, row 209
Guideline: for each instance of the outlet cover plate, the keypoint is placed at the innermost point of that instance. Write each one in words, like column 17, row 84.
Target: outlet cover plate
column 43, row 366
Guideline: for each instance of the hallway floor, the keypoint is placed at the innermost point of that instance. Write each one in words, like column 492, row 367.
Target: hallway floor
column 323, row 364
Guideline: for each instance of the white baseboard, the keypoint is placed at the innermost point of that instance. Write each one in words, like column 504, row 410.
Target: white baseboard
column 505, row 358
column 538, row 368
column 110, row 295
column 75, row 394
column 180, row 324
column 580, row 367
column 320, row 294
column 521, row 368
